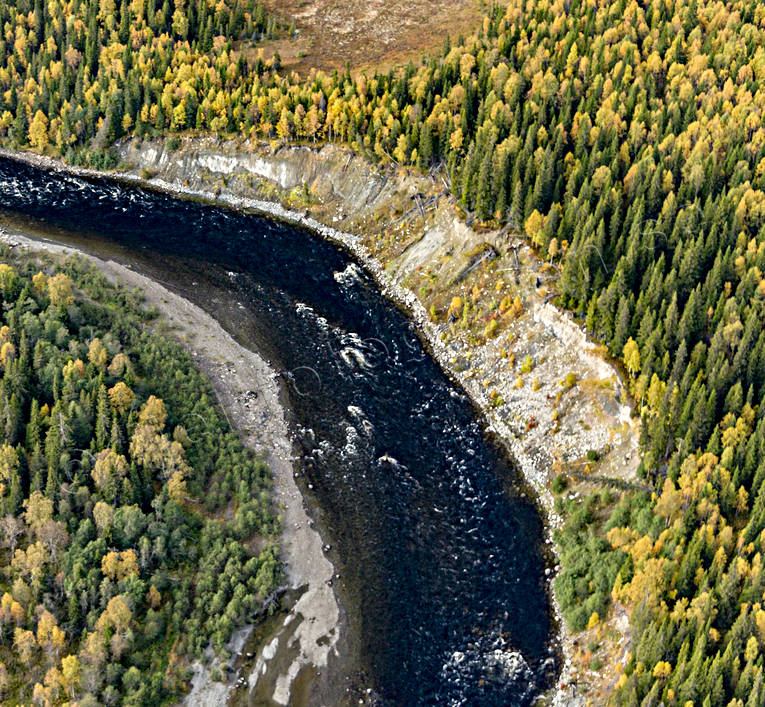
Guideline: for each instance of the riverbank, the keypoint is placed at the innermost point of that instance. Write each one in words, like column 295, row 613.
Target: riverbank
column 248, row 392
column 407, row 233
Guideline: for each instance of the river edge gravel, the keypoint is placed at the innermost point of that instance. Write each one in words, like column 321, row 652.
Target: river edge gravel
column 236, row 372
column 531, row 459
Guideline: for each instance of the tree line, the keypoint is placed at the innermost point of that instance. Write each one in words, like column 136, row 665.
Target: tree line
column 625, row 140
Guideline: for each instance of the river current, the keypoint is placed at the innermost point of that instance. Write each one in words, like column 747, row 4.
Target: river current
column 442, row 557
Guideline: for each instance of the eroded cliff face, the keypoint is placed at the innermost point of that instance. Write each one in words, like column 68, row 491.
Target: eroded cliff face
column 517, row 366
column 480, row 297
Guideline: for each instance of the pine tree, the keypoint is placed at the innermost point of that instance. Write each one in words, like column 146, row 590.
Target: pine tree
column 103, row 419
column 623, row 321
column 425, row 148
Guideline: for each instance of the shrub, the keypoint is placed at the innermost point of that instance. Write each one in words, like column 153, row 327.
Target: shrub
column 559, row 484
column 491, row 329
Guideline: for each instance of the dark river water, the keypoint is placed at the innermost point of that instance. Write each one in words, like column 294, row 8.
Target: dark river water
column 442, row 559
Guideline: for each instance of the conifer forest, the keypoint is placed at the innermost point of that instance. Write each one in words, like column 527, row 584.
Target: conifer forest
column 114, row 466
column 623, row 139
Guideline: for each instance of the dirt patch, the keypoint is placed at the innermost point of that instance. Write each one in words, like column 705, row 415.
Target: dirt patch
column 600, row 654
column 373, row 34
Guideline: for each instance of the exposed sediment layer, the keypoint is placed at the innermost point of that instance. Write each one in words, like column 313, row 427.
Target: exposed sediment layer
column 543, row 425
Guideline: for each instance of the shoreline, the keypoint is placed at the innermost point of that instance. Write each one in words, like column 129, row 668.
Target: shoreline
column 563, row 692
column 236, row 372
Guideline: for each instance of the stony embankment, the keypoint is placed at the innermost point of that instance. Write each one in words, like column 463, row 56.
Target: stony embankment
column 480, row 298
column 409, row 234
column 546, row 390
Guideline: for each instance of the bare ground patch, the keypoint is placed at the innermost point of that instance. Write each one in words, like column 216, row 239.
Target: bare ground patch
column 377, row 33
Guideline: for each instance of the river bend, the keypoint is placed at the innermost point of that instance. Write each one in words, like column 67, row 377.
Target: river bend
column 442, row 559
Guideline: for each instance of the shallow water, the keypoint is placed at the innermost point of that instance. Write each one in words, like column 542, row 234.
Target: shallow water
column 441, row 558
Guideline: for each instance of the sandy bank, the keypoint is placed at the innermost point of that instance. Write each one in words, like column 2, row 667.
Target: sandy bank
column 312, row 628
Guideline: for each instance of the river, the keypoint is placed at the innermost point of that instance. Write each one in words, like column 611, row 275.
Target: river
column 437, row 541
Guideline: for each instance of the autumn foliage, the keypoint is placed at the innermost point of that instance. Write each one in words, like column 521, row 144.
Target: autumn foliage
column 624, row 139
column 110, row 555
